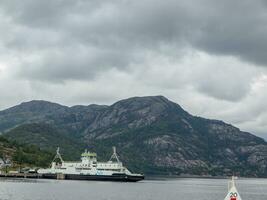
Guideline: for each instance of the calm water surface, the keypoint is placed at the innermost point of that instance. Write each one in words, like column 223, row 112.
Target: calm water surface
column 165, row 189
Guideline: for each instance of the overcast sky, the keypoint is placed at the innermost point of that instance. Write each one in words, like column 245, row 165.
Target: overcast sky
column 208, row 56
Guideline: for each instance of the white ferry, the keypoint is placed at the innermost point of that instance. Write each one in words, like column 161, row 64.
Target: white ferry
column 89, row 169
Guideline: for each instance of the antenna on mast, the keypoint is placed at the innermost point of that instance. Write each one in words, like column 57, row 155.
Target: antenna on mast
column 114, row 155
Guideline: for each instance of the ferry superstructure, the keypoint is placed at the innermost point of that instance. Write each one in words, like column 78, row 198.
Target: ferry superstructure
column 90, row 169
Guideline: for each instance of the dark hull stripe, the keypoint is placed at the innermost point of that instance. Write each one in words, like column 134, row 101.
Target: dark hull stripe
column 119, row 178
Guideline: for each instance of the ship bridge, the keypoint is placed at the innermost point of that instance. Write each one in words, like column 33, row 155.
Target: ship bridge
column 89, row 159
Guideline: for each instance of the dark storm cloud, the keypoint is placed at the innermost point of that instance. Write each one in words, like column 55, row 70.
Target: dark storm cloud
column 236, row 28
column 121, row 28
column 43, row 13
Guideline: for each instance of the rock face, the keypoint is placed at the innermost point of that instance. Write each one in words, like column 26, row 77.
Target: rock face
column 72, row 119
column 152, row 134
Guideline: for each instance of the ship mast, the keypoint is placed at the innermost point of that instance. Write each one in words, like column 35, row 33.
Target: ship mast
column 114, row 155
column 58, row 156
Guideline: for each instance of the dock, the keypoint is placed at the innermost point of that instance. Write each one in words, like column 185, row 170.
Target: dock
column 21, row 175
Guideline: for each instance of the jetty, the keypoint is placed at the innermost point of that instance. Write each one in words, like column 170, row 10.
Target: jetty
column 20, row 175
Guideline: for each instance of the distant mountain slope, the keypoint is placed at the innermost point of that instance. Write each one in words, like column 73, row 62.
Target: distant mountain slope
column 23, row 155
column 71, row 119
column 47, row 138
column 153, row 135
column 131, row 114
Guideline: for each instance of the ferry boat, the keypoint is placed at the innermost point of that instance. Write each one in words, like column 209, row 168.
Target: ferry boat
column 89, row 169
column 232, row 191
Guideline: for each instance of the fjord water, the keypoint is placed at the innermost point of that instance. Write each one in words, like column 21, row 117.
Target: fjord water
column 164, row 189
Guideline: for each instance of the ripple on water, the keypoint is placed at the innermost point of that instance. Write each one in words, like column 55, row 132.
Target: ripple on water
column 163, row 189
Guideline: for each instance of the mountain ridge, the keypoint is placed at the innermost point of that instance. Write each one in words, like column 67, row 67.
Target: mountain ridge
column 154, row 135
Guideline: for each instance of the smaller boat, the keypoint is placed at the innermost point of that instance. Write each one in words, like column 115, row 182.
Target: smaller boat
column 232, row 191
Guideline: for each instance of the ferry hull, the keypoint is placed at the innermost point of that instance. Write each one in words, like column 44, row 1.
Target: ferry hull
column 114, row 177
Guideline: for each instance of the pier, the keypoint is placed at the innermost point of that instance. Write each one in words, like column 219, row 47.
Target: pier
column 21, row 175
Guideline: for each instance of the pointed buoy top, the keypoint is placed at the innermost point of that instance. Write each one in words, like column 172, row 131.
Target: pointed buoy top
column 232, row 191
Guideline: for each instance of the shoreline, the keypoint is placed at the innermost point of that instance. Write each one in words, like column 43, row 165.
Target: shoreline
column 162, row 177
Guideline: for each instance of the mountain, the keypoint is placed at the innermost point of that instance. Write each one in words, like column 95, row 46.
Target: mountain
column 152, row 134
column 72, row 119
column 23, row 155
column 46, row 137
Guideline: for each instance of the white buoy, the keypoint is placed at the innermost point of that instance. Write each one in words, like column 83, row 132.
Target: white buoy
column 232, row 191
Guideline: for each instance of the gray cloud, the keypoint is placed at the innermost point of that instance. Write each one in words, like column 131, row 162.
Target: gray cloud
column 205, row 52
column 75, row 64
column 214, row 26
column 236, row 28
column 219, row 28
